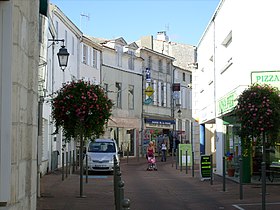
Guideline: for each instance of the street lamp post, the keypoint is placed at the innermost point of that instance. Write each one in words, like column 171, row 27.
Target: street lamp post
column 63, row 61
column 62, row 54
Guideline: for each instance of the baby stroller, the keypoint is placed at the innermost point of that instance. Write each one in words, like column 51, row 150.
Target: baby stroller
column 152, row 163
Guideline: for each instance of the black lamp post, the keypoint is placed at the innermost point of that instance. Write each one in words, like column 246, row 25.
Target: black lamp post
column 63, row 57
column 62, row 54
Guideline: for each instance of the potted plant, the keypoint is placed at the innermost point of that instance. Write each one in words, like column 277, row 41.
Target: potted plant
column 230, row 167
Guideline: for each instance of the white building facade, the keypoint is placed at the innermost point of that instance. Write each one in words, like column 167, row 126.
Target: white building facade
column 19, row 59
column 230, row 52
column 121, row 78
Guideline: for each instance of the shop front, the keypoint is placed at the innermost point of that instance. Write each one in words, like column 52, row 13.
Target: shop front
column 126, row 133
column 157, row 130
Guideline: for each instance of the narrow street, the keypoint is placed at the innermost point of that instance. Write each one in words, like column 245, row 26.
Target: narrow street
column 171, row 189
column 167, row 188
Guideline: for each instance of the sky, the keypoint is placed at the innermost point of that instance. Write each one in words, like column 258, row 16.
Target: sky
column 183, row 20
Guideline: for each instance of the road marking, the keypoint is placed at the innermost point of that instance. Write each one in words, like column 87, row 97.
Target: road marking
column 96, row 177
column 238, row 206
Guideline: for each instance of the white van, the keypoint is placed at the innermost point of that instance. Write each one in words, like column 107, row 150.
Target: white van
column 100, row 153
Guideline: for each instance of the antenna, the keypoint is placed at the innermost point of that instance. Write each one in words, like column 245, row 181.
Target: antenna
column 82, row 17
column 167, row 27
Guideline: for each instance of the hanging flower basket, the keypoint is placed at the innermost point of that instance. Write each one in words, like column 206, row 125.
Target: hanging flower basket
column 258, row 111
column 81, row 108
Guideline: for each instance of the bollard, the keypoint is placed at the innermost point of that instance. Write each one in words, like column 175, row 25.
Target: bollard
column 263, row 185
column 172, row 157
column 240, row 179
column 62, row 165
column 224, row 174
column 116, row 170
column 186, row 162
column 74, row 164
column 117, row 195
column 127, row 154
column 86, row 168
column 70, row 163
column 125, row 204
column 176, row 158
column 66, row 165
column 192, row 164
column 120, row 194
column 181, row 158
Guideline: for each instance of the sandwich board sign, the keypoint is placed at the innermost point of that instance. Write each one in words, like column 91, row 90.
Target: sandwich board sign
column 205, row 167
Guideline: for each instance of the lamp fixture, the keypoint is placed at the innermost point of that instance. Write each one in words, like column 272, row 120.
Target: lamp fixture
column 63, row 57
column 62, row 54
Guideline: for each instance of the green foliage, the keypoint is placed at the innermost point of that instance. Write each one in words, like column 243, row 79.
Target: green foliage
column 81, row 108
column 258, row 111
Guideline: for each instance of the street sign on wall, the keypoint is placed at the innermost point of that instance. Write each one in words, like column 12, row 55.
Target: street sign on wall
column 149, row 91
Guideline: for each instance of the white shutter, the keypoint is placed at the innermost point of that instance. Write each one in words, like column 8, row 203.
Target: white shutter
column 159, row 94
column 155, row 92
column 164, row 95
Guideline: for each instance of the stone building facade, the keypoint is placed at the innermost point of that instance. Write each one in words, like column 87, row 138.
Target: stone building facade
column 19, row 59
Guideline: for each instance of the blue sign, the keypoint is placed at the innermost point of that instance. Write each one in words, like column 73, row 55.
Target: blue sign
column 148, row 100
column 160, row 122
column 148, row 75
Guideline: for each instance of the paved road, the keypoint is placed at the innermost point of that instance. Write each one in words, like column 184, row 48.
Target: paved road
column 171, row 189
column 165, row 189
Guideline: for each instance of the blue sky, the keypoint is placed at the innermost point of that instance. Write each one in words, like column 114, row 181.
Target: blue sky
column 183, row 20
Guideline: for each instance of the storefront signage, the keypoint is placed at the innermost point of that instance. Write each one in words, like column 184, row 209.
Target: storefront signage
column 266, row 77
column 227, row 103
column 161, row 122
column 205, row 166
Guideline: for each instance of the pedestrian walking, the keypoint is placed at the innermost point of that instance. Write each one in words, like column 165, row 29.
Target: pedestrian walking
column 163, row 151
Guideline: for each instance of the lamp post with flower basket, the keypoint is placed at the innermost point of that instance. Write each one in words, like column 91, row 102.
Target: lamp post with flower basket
column 81, row 109
column 258, row 113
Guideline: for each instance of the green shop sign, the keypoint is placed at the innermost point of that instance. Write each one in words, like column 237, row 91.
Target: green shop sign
column 227, row 103
column 266, row 77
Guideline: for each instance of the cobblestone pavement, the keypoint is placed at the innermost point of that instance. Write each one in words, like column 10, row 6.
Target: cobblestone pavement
column 98, row 193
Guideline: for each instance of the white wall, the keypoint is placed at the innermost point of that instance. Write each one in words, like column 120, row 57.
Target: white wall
column 254, row 47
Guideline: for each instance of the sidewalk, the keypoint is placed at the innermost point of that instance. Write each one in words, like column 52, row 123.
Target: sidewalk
column 99, row 194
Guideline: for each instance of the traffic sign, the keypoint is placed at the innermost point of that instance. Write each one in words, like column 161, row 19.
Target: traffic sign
column 149, row 91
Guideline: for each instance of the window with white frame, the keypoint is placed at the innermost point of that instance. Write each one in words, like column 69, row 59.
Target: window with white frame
column 106, row 89
column 163, row 94
column 227, row 40
column 56, row 28
column 94, row 58
column 65, row 39
column 118, row 95
column 150, row 62
column 184, row 77
column 85, row 54
column 168, row 68
column 130, row 97
column 155, row 98
column 73, row 45
column 159, row 92
column 119, row 56
column 160, row 65
column 131, row 60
